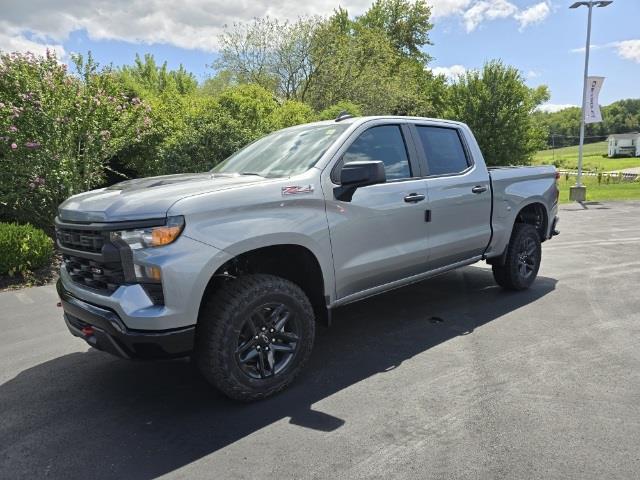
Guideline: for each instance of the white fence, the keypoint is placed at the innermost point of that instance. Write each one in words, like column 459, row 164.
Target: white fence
column 626, row 177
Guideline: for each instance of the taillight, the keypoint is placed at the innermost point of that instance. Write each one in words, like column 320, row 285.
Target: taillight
column 557, row 175
column 557, row 185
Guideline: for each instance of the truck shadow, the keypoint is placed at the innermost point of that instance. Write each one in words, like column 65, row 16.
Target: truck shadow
column 88, row 415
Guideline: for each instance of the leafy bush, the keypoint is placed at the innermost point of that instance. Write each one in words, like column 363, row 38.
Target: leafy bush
column 291, row 113
column 191, row 133
column 58, row 132
column 331, row 113
column 23, row 248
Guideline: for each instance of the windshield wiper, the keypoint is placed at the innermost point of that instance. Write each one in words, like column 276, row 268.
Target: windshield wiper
column 252, row 173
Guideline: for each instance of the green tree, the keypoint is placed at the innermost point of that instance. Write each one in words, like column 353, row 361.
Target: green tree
column 407, row 24
column 564, row 126
column 376, row 60
column 368, row 62
column 271, row 53
column 216, row 84
column 146, row 77
column 360, row 69
column 497, row 105
column 622, row 116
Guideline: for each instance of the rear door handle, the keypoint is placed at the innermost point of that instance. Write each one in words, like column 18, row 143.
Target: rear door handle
column 479, row 189
column 414, row 198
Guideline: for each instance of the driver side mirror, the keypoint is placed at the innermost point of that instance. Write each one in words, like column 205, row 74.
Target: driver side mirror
column 358, row 174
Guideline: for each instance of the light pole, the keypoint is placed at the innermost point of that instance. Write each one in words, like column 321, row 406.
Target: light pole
column 579, row 192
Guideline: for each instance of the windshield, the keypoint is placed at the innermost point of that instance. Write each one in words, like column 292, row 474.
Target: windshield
column 283, row 153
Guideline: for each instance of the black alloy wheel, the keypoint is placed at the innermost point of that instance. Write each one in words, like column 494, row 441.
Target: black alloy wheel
column 268, row 341
column 522, row 261
column 527, row 257
column 254, row 335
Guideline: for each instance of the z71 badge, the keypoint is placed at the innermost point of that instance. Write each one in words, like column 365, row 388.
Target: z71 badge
column 296, row 189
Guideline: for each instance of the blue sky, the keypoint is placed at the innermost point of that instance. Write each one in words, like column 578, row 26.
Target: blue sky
column 543, row 51
column 537, row 36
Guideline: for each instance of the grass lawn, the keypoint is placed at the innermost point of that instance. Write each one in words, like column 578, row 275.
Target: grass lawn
column 600, row 192
column 593, row 160
column 567, row 157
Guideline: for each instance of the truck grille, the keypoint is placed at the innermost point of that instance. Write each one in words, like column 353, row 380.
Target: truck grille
column 92, row 260
column 83, row 240
column 103, row 276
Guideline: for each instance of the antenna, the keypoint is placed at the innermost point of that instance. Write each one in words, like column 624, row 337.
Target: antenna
column 343, row 115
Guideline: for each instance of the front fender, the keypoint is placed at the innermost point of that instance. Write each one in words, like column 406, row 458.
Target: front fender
column 262, row 217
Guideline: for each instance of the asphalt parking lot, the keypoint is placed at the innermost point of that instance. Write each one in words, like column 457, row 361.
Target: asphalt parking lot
column 449, row 378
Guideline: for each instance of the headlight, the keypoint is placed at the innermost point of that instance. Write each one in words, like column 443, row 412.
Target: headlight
column 151, row 236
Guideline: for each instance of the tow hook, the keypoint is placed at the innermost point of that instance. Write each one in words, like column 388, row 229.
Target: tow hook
column 88, row 331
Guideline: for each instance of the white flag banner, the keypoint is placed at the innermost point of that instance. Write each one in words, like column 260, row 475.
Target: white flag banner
column 592, row 112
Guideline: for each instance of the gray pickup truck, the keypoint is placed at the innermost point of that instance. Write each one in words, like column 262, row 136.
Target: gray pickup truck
column 234, row 266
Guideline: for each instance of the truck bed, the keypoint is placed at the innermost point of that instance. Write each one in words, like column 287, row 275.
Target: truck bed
column 513, row 188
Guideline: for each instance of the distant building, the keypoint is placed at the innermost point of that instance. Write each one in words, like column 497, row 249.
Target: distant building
column 624, row 144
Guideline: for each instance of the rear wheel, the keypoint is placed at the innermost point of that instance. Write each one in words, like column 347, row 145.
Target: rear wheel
column 524, row 254
column 254, row 336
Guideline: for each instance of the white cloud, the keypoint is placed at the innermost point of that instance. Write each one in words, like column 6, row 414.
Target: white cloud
column 445, row 8
column 554, row 107
column 191, row 24
column 484, row 10
column 12, row 40
column 591, row 48
column 535, row 14
column 629, row 50
column 487, row 10
column 452, row 72
column 197, row 24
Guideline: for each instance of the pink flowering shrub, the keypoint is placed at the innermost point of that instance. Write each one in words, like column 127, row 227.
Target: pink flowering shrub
column 64, row 133
column 58, row 132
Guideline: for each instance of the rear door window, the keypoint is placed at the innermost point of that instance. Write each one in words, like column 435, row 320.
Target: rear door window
column 444, row 150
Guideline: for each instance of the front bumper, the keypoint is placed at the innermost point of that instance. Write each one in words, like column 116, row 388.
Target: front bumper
column 103, row 329
column 187, row 266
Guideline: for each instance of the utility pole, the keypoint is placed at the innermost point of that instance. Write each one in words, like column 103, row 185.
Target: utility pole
column 579, row 191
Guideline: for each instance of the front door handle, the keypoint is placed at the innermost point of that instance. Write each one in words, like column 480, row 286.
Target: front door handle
column 479, row 189
column 414, row 198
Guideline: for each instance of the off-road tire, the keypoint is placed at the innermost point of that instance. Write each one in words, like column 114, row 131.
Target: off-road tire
column 218, row 330
column 510, row 275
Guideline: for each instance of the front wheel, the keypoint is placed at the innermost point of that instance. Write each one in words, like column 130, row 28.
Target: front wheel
column 254, row 335
column 524, row 254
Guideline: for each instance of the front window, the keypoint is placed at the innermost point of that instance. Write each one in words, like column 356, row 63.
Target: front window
column 283, row 153
column 385, row 144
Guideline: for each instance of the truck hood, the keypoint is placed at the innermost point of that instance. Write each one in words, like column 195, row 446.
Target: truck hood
column 146, row 197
